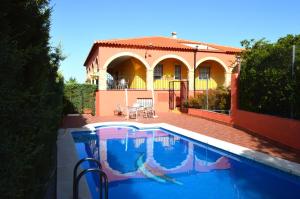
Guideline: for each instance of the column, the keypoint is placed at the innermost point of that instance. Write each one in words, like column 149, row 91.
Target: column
column 150, row 143
column 103, row 151
column 227, row 79
column 234, row 96
column 102, row 84
column 149, row 79
column 191, row 80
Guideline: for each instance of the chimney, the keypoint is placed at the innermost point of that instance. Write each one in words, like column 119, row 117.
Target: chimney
column 174, row 35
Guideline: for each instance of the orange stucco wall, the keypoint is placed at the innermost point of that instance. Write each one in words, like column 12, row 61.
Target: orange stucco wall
column 97, row 103
column 151, row 56
column 107, row 101
column 93, row 64
column 221, row 118
column 282, row 130
column 102, row 56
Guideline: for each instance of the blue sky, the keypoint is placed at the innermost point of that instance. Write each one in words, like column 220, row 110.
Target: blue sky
column 77, row 24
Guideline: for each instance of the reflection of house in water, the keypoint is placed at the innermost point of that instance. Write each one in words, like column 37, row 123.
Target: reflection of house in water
column 120, row 149
column 138, row 142
column 167, row 141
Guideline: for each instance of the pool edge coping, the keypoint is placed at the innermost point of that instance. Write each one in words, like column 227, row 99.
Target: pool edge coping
column 64, row 180
column 263, row 158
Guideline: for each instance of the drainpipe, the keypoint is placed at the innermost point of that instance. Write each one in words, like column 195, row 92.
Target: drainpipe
column 195, row 60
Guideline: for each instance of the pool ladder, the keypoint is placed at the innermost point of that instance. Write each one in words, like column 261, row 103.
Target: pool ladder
column 98, row 170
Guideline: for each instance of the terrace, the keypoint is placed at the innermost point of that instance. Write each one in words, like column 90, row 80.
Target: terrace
column 167, row 70
column 202, row 126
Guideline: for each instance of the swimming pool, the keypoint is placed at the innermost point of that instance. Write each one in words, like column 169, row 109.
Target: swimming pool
column 157, row 163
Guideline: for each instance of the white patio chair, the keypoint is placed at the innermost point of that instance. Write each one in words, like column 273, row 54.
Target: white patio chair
column 147, row 107
column 123, row 83
column 119, row 110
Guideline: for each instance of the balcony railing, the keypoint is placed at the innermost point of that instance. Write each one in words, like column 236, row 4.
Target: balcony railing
column 202, row 84
column 123, row 84
column 163, row 84
column 158, row 84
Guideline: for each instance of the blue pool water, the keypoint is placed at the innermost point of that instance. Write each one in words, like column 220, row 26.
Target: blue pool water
column 158, row 164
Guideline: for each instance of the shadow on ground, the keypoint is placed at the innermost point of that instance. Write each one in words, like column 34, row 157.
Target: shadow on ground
column 273, row 148
column 74, row 121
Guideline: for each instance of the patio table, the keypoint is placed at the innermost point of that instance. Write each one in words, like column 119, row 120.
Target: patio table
column 149, row 112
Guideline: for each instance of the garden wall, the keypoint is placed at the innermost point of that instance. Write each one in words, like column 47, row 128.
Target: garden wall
column 217, row 117
column 108, row 100
column 281, row 130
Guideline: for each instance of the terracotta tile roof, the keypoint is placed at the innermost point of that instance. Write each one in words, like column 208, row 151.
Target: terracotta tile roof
column 167, row 43
column 216, row 46
column 160, row 42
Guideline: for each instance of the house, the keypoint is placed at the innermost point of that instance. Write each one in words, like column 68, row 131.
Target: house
column 151, row 63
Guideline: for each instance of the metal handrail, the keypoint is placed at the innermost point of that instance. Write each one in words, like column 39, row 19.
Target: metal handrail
column 77, row 165
column 102, row 175
column 80, row 162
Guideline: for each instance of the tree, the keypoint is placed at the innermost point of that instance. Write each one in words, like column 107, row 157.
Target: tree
column 72, row 80
column 30, row 100
column 266, row 84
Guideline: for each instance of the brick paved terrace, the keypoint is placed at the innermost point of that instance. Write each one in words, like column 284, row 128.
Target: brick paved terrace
column 199, row 125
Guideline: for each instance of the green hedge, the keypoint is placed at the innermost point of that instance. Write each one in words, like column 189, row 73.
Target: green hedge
column 78, row 97
column 218, row 99
column 266, row 84
column 30, row 101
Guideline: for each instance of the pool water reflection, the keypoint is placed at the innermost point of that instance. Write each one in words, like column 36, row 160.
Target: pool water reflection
column 159, row 164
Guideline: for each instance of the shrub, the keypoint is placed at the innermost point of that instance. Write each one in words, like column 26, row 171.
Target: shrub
column 218, row 99
column 78, row 97
column 265, row 83
column 195, row 102
column 30, row 100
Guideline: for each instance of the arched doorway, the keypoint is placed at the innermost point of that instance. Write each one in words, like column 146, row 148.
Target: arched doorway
column 170, row 152
column 126, row 72
column 209, row 74
column 169, row 69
